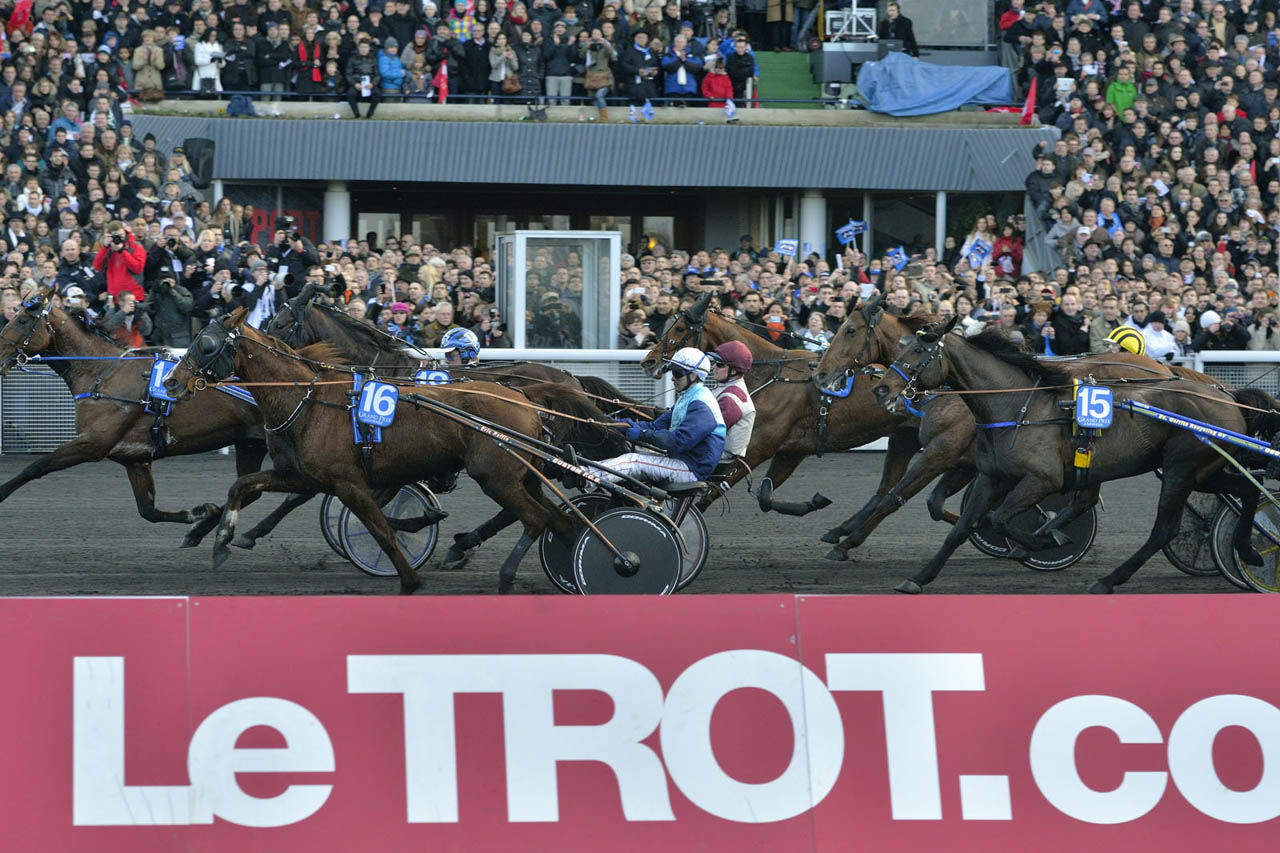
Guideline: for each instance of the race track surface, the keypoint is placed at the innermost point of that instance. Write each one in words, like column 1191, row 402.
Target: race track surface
column 77, row 532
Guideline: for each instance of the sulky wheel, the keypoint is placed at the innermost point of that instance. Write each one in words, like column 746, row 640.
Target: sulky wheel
column 649, row 542
column 1080, row 533
column 410, row 501
column 1190, row 550
column 982, row 536
column 330, row 512
column 1221, row 530
column 556, row 555
column 1265, row 539
column 697, row 543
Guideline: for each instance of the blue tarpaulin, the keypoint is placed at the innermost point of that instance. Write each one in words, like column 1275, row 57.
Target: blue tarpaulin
column 903, row 86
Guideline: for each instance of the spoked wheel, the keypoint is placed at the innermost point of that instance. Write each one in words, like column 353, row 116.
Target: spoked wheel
column 1080, row 533
column 411, row 501
column 1221, row 529
column 697, row 543
column 651, row 544
column 1265, row 539
column 330, row 511
column 557, row 555
column 1190, row 550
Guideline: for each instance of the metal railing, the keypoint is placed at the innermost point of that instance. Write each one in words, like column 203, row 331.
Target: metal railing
column 614, row 99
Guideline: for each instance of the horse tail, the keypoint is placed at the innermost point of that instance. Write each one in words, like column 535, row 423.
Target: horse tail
column 1263, row 418
column 600, row 388
column 591, row 439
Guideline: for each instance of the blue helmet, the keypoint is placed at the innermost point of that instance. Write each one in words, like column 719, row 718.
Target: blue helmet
column 464, row 341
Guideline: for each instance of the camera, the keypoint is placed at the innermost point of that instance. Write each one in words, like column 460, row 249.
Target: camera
column 172, row 243
column 295, row 234
column 493, row 312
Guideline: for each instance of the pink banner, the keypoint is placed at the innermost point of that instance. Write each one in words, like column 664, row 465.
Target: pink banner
column 715, row 723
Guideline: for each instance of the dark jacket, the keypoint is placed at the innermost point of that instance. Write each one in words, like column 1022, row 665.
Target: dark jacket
column 559, row 58
column 1233, row 337
column 269, row 58
column 900, row 28
column 359, row 67
column 473, row 67
column 531, row 68
column 170, row 309
column 241, row 70
column 1068, row 336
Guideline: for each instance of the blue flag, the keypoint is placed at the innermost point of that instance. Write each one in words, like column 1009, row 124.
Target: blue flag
column 846, row 234
column 786, row 247
column 898, row 257
column 979, row 252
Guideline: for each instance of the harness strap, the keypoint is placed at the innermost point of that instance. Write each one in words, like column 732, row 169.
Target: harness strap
column 824, row 407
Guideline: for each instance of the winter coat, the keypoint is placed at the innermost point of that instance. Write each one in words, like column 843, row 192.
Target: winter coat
column 270, row 57
column 241, row 71
column 310, row 60
column 717, row 88
column 530, row 58
column 170, row 310
column 148, row 67
column 671, row 67
column 501, row 63
column 359, row 67
column 208, row 63
column 129, row 330
column 558, row 57
column 391, row 70
column 473, row 67
column 121, row 265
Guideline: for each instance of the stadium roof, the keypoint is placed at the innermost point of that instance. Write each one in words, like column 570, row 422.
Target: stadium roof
column 739, row 156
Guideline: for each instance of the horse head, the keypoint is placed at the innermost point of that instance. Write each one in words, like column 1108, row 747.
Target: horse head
column 920, row 365
column 30, row 332
column 290, row 323
column 854, row 347
column 684, row 330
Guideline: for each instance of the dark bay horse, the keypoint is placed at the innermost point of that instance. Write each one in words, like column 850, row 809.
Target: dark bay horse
column 789, row 421
column 871, row 336
column 1026, row 453
column 111, row 422
column 310, row 438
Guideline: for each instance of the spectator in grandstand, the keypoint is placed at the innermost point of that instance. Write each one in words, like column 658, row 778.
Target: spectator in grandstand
column 364, row 83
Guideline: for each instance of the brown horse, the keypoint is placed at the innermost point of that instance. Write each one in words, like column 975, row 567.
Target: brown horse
column 310, row 437
column 790, row 419
column 111, row 420
column 872, row 336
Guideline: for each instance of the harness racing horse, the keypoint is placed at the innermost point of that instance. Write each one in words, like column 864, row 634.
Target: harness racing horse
column 870, row 336
column 302, row 320
column 1025, row 447
column 793, row 420
column 112, row 421
column 305, row 402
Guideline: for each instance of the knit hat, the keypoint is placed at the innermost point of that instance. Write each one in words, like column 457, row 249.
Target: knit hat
column 422, row 33
column 400, row 306
column 390, row 41
column 1182, row 326
column 1208, row 318
column 1157, row 317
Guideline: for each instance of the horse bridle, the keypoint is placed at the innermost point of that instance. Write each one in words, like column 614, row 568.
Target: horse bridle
column 23, row 356
column 909, row 392
column 226, row 349
column 298, row 329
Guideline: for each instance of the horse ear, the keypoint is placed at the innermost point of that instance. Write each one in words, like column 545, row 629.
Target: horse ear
column 238, row 317
column 873, row 304
column 698, row 309
column 46, row 293
column 951, row 324
column 308, row 293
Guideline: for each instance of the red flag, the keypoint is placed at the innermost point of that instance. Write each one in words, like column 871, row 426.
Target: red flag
column 441, row 81
column 1029, row 108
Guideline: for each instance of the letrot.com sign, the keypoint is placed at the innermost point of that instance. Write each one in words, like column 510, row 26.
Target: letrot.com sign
column 717, row 722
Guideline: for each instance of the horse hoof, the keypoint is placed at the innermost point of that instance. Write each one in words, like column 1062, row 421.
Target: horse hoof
column 409, row 588
column 505, row 587
column 244, row 542
column 453, row 560
column 832, row 536
column 1017, row 552
column 1250, row 557
column 909, row 587
column 1100, row 588
column 191, row 540
column 220, row 556
column 837, row 555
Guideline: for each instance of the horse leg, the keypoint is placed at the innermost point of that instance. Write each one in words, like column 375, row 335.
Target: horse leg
column 82, row 448
column 144, row 494
column 985, row 492
column 522, row 496
column 1228, row 482
column 779, row 470
column 1030, row 488
column 952, row 481
column 903, row 445
column 268, row 524
column 241, row 491
column 364, row 506
column 464, row 544
column 1175, row 488
column 249, row 456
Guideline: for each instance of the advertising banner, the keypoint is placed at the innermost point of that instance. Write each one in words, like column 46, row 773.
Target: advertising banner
column 700, row 722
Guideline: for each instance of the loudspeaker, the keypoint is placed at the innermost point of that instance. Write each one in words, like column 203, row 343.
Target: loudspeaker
column 199, row 153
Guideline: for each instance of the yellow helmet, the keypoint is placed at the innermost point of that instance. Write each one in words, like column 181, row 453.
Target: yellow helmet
column 1128, row 338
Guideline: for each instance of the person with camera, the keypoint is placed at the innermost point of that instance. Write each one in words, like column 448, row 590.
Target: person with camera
column 128, row 326
column 1264, row 331
column 217, row 297
column 291, row 254
column 122, row 258
column 170, row 306
column 169, row 252
column 490, row 329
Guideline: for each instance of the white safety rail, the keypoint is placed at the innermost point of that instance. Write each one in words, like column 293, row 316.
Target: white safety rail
column 37, row 413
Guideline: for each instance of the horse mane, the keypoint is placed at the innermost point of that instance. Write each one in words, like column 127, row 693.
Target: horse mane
column 82, row 318
column 916, row 322
column 996, row 342
column 365, row 332
column 322, row 351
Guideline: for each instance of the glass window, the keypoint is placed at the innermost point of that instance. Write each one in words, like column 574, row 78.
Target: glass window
column 487, row 228
column 548, row 222
column 621, row 224
column 566, row 294
column 659, row 230
column 433, row 228
column 383, row 225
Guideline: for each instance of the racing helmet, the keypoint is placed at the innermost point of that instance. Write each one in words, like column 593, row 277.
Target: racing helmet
column 1128, row 338
column 690, row 360
column 735, row 354
column 462, row 340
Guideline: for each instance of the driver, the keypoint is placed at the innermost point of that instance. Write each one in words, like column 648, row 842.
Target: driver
column 730, row 363
column 461, row 347
column 692, row 432
column 1126, row 338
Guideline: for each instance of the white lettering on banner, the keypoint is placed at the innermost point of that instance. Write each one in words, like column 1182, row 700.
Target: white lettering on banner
column 1053, row 759
column 101, row 798
column 907, row 682
column 815, row 722
column 533, row 742
column 1191, row 758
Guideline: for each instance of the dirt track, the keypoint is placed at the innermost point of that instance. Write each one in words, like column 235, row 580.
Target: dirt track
column 77, row 532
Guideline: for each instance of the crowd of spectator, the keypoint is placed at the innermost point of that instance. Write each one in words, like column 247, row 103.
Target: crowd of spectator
column 541, row 51
column 1160, row 198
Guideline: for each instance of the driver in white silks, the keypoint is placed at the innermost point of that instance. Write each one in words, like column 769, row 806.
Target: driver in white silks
column 692, row 433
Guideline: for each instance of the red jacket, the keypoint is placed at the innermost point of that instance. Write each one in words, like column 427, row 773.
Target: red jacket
column 122, row 265
column 717, row 88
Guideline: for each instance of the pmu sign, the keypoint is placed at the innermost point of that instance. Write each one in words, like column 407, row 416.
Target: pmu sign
column 722, row 723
